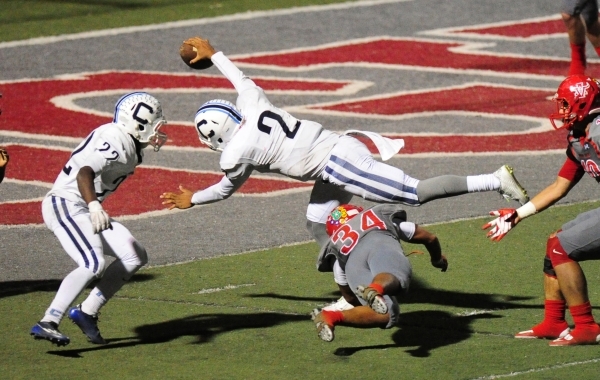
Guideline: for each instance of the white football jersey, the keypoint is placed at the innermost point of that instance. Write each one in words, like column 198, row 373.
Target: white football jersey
column 270, row 139
column 110, row 152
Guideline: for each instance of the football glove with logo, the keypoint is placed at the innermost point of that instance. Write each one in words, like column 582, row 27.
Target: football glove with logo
column 505, row 221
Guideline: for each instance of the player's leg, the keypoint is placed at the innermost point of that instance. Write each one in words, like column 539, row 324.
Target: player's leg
column 589, row 14
column 571, row 16
column 72, row 226
column 130, row 257
column 352, row 167
column 553, row 325
column 578, row 241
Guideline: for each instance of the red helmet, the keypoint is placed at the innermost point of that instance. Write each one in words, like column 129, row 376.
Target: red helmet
column 575, row 97
column 341, row 215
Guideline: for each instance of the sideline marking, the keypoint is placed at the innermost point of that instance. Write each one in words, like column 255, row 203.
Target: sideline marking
column 534, row 370
column 226, row 287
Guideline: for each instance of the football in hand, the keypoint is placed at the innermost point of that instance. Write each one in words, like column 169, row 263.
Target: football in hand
column 188, row 53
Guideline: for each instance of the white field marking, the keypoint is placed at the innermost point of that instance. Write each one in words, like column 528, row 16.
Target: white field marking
column 465, row 47
column 543, row 123
column 195, row 22
column 352, row 86
column 476, row 312
column 457, row 31
column 226, row 287
column 541, row 369
column 67, row 102
column 36, row 136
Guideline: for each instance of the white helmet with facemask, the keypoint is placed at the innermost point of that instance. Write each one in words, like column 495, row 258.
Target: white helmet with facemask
column 140, row 114
column 216, row 122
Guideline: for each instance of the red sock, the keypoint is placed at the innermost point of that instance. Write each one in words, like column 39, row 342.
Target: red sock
column 554, row 319
column 597, row 50
column 378, row 288
column 332, row 317
column 578, row 61
column 582, row 315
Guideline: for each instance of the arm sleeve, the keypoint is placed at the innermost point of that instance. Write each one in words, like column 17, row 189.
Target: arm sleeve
column 571, row 170
column 223, row 189
column 235, row 76
column 406, row 230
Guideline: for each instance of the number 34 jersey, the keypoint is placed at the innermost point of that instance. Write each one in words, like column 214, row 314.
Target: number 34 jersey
column 112, row 155
column 270, row 139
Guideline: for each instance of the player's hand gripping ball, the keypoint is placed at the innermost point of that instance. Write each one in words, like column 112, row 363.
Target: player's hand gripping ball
column 188, row 53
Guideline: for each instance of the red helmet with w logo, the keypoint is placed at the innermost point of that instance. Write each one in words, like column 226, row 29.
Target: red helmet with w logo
column 575, row 99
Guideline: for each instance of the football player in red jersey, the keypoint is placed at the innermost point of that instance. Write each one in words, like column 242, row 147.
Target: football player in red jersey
column 369, row 265
column 578, row 110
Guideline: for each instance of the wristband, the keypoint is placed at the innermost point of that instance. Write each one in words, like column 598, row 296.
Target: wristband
column 526, row 210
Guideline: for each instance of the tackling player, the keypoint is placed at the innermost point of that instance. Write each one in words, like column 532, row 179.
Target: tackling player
column 365, row 251
column 256, row 135
column 72, row 210
column 578, row 105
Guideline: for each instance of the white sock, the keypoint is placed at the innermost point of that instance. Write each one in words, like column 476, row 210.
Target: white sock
column 93, row 302
column 72, row 285
column 483, row 182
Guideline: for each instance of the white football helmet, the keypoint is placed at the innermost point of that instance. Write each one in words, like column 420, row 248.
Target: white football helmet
column 216, row 122
column 141, row 115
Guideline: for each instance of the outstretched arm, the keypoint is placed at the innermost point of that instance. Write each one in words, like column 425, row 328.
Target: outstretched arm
column 223, row 189
column 432, row 244
column 205, row 50
column 508, row 218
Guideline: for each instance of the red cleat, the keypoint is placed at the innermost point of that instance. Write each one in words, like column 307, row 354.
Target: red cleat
column 544, row 331
column 579, row 336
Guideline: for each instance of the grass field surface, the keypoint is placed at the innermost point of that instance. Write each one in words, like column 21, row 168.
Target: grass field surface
column 246, row 316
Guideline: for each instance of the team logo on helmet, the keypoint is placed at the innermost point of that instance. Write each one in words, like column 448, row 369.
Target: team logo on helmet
column 340, row 216
column 580, row 90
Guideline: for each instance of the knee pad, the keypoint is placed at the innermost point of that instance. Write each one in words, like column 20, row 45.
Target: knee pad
column 556, row 252
column 548, row 268
column 133, row 254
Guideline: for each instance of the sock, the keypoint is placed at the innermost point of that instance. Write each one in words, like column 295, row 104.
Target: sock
column 483, row 182
column 93, row 302
column 597, row 50
column 582, row 316
column 378, row 288
column 554, row 319
column 578, row 60
column 332, row 317
column 69, row 289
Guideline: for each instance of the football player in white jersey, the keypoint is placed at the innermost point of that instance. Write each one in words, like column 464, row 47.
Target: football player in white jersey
column 256, row 135
column 72, row 210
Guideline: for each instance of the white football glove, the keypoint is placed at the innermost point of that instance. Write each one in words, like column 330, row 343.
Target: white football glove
column 505, row 221
column 100, row 219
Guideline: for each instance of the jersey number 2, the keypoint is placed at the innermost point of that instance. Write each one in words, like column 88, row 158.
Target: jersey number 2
column 290, row 134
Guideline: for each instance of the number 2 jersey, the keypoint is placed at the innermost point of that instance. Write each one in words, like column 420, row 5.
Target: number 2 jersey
column 110, row 152
column 270, row 139
column 388, row 219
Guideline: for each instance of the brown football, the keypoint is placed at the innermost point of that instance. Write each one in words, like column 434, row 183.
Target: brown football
column 187, row 53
